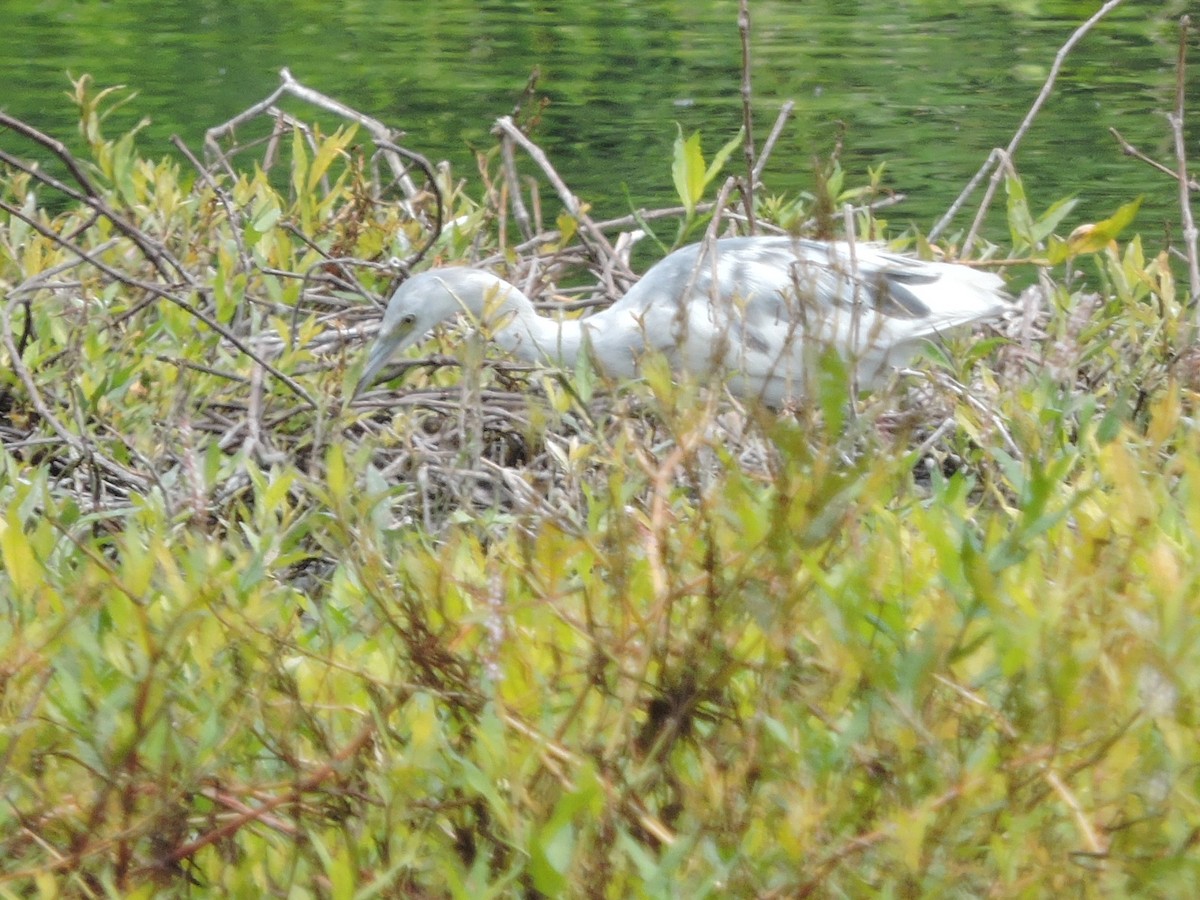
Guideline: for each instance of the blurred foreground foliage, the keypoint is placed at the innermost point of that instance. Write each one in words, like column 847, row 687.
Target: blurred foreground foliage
column 515, row 632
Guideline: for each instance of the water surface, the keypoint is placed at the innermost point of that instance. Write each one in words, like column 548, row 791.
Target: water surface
column 926, row 87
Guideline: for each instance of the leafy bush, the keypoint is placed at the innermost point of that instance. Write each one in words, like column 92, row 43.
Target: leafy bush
column 507, row 631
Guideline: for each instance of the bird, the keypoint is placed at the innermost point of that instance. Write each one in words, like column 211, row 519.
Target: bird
column 757, row 311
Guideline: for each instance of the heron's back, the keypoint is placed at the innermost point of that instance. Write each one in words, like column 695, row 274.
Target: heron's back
column 765, row 307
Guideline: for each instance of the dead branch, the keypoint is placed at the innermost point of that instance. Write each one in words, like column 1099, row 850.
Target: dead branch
column 158, row 255
column 1009, row 151
column 747, row 112
column 290, row 86
column 1175, row 118
column 785, row 113
column 1130, row 150
column 520, row 213
column 592, row 235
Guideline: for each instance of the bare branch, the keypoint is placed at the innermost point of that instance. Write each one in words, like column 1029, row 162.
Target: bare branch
column 1185, row 200
column 169, row 267
column 1130, row 150
column 290, row 86
column 431, row 179
column 520, row 213
column 1004, row 167
column 1047, row 88
column 747, row 113
column 785, row 113
column 588, row 230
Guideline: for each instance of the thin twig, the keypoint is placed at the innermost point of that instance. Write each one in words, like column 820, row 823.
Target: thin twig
column 785, row 113
column 1059, row 59
column 520, row 213
column 1004, row 167
column 747, row 114
column 1185, row 200
column 1095, row 846
column 439, row 200
column 1027, row 122
column 588, row 230
column 323, row 773
column 167, row 265
column 231, row 212
column 706, row 256
column 993, row 159
column 1130, row 150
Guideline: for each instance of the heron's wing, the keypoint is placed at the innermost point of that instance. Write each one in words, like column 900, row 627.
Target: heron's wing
column 764, row 308
column 863, row 294
column 871, row 306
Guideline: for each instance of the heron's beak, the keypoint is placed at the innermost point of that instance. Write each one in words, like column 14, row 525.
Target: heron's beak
column 385, row 347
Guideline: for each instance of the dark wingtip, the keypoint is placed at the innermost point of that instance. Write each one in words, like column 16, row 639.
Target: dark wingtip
column 908, row 304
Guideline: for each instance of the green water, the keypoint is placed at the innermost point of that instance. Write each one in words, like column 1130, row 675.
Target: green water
column 927, row 87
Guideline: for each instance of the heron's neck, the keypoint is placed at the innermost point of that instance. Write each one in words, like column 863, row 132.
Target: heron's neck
column 536, row 339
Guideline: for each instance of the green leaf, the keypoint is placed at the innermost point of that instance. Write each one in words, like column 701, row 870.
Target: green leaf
column 335, row 472
column 722, row 156
column 338, row 867
column 275, row 498
column 550, row 856
column 834, row 182
column 123, row 162
column 1020, row 220
column 16, row 552
column 327, row 152
column 299, row 164
column 1094, row 238
column 1050, row 219
column 567, row 227
column 553, row 846
column 263, row 216
column 833, row 389
column 981, row 349
column 687, row 171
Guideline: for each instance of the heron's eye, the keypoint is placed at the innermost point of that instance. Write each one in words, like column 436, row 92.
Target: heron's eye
column 407, row 320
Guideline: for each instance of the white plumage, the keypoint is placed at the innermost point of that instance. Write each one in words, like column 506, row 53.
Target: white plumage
column 758, row 311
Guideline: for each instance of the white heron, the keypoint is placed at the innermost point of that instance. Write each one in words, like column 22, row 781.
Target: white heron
column 758, row 311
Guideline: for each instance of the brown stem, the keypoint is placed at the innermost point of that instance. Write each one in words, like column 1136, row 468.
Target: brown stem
column 747, row 117
column 1047, row 88
column 166, row 264
column 1185, row 201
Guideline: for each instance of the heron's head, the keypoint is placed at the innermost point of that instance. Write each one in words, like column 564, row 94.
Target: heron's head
column 420, row 304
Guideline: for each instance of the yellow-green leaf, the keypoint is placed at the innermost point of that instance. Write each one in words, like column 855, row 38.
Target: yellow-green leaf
column 723, row 155
column 17, row 553
column 687, row 170
column 329, row 150
column 1095, row 237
